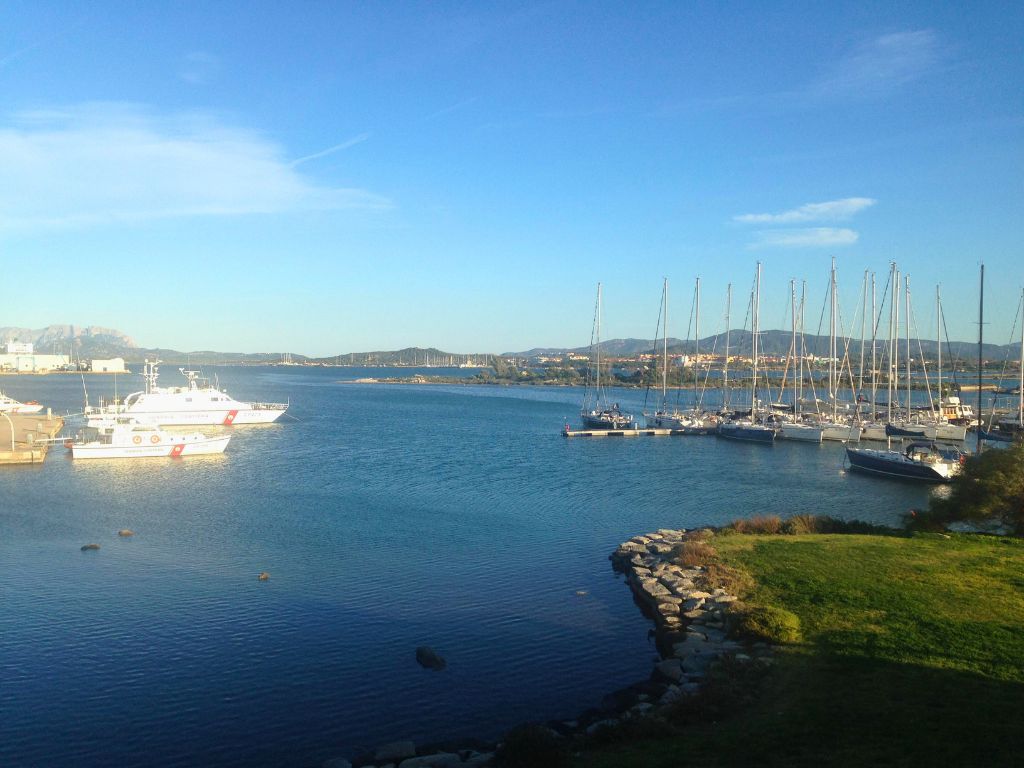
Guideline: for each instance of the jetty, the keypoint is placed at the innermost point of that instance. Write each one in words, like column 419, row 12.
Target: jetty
column 625, row 432
column 26, row 437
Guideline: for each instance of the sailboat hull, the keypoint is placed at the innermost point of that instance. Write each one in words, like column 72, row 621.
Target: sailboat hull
column 751, row 433
column 802, row 432
column 896, row 464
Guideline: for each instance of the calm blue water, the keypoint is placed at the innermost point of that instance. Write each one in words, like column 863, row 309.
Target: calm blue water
column 388, row 517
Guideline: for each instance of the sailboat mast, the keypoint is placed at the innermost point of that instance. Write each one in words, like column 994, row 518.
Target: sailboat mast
column 753, row 342
column 832, row 339
column 874, row 363
column 863, row 321
column 938, row 341
column 906, row 279
column 894, row 329
column 803, row 344
column 1020, row 385
column 696, row 341
column 664, row 364
column 725, row 368
column 598, row 324
column 981, row 332
column 792, row 344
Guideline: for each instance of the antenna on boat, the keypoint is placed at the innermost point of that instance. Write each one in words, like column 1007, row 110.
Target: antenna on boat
column 85, row 392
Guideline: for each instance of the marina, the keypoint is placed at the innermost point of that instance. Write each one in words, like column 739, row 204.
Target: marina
column 324, row 651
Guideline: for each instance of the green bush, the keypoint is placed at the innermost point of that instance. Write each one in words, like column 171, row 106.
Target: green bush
column 798, row 525
column 989, row 488
column 768, row 624
column 532, row 746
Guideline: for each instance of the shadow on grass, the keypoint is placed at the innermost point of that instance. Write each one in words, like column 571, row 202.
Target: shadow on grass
column 849, row 711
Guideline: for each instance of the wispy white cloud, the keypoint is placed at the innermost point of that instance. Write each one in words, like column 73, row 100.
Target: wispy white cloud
column 832, row 210
column 197, row 67
column 331, row 150
column 882, row 64
column 449, row 109
column 101, row 163
column 810, row 237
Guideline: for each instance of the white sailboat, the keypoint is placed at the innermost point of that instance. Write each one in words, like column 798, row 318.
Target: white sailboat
column 796, row 428
column 596, row 413
column 749, row 429
column 690, row 422
column 834, row 426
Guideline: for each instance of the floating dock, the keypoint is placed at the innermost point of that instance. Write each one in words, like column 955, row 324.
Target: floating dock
column 631, row 433
column 26, row 437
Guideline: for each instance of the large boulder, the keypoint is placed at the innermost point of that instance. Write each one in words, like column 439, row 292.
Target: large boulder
column 428, row 658
column 395, row 751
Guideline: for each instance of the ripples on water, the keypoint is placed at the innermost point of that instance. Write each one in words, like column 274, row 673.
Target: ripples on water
column 388, row 517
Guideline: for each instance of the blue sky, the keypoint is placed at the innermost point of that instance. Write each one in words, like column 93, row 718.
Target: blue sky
column 335, row 177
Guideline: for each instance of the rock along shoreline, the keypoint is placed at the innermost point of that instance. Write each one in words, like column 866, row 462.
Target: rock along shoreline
column 691, row 636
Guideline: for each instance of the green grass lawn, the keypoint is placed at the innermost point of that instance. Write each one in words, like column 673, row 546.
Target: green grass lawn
column 912, row 655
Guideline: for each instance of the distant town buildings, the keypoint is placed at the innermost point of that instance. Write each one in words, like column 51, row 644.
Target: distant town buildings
column 27, row 362
column 113, row 365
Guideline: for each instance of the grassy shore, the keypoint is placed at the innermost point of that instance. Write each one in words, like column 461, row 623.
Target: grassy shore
column 912, row 654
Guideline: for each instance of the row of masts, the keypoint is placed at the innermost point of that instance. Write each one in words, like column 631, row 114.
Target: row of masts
column 839, row 360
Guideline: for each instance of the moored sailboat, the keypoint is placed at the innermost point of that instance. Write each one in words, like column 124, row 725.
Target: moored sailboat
column 750, row 429
column 597, row 413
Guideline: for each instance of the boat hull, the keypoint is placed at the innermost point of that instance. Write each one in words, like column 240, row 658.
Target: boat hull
column 751, row 433
column 844, row 433
column 802, row 432
column 173, row 448
column 686, row 425
column 896, row 464
column 221, row 418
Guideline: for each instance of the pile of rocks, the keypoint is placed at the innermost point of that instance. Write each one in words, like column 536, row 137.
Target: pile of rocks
column 403, row 754
column 691, row 633
column 690, row 621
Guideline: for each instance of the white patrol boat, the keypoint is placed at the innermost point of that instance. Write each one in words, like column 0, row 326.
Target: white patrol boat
column 198, row 402
column 10, row 405
column 124, row 438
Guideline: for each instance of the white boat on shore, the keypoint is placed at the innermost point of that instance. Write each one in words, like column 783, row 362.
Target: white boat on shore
column 124, row 438
column 196, row 403
column 10, row 405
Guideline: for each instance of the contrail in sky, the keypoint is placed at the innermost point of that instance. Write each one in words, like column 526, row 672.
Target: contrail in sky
column 331, row 150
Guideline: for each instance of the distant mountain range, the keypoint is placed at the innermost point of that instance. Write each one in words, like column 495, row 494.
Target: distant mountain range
column 777, row 343
column 89, row 342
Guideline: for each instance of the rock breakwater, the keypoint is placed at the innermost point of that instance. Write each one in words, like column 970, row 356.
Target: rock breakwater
column 690, row 614
column 692, row 617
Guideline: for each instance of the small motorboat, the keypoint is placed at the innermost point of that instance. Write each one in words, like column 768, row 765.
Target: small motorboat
column 10, row 405
column 125, row 438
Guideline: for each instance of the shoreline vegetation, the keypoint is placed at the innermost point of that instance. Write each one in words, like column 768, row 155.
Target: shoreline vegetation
column 810, row 641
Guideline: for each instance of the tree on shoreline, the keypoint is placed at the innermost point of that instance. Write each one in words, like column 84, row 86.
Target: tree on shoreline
column 990, row 489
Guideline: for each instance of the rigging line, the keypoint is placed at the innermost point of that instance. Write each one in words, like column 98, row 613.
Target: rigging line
column 920, row 351
column 949, row 348
column 657, row 329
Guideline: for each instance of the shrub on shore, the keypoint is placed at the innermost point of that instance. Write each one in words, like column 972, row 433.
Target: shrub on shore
column 798, row 525
column 692, row 553
column 766, row 524
column 989, row 489
column 718, row 575
column 767, row 623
